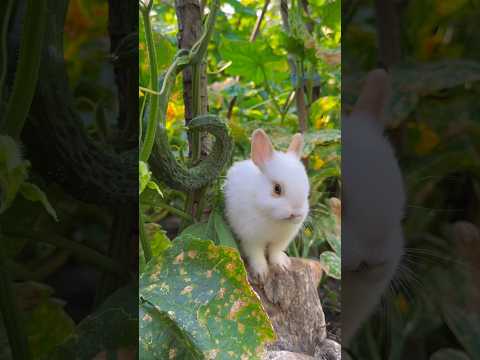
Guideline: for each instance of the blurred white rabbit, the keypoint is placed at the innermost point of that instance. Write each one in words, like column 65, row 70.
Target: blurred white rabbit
column 266, row 199
column 373, row 199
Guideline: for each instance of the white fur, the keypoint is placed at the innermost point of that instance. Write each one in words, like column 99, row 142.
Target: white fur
column 373, row 201
column 258, row 218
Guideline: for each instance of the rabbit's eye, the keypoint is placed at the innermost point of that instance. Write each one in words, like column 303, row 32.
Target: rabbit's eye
column 277, row 189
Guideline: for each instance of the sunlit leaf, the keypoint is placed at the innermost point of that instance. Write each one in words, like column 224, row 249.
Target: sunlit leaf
column 201, row 288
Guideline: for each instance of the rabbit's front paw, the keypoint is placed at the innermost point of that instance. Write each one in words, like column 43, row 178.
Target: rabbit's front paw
column 280, row 259
column 259, row 269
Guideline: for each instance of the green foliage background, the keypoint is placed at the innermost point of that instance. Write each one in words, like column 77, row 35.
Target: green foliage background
column 435, row 131
column 55, row 247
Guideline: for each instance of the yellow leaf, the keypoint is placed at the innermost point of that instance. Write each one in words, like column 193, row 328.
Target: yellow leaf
column 171, row 112
column 317, row 163
column 322, row 121
column 428, row 140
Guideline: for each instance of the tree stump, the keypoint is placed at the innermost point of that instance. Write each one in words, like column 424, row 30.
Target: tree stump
column 291, row 301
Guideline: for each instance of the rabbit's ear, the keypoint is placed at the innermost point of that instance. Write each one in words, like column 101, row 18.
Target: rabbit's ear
column 296, row 146
column 375, row 95
column 262, row 148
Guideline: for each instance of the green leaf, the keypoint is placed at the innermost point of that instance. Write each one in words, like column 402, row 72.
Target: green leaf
column 198, row 230
column 449, row 354
column 252, row 60
column 154, row 186
column 159, row 242
column 144, row 175
column 224, row 234
column 466, row 327
column 334, row 241
column 33, row 193
column 13, row 171
column 48, row 326
column 332, row 264
column 157, row 328
column 202, row 288
column 330, row 13
column 312, row 140
column 158, row 238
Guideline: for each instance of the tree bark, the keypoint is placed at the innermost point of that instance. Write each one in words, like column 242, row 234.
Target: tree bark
column 189, row 17
column 291, row 301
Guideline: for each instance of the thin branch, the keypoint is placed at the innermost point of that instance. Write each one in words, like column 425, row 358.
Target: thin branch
column 253, row 37
column 258, row 23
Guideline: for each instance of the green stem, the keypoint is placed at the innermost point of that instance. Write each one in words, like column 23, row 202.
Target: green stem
column 174, row 210
column 83, row 252
column 147, row 250
column 6, row 10
column 272, row 96
column 152, row 115
column 10, row 312
column 24, row 87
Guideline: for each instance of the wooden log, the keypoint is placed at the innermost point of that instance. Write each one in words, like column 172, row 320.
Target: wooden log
column 291, row 300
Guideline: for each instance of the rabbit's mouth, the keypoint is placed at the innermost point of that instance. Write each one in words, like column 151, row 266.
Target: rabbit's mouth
column 295, row 218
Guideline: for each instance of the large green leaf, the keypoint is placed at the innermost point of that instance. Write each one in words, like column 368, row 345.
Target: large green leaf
column 202, row 288
column 330, row 13
column 253, row 60
column 157, row 328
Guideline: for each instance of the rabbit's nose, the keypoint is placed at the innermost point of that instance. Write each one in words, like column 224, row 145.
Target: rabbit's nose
column 295, row 216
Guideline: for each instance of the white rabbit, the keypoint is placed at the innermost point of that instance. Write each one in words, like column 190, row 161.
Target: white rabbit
column 373, row 200
column 266, row 201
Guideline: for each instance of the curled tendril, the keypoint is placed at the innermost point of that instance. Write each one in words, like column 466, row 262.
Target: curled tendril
column 167, row 169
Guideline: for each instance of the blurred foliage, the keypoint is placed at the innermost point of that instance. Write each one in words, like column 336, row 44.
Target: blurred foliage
column 250, row 85
column 435, row 130
column 55, row 247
